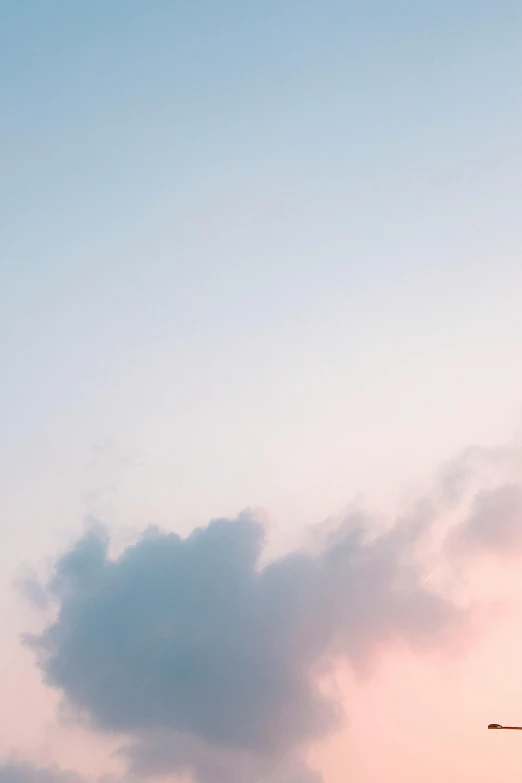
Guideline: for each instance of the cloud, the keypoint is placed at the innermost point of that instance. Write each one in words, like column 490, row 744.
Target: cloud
column 207, row 661
column 165, row 753
column 30, row 588
column 474, row 467
column 23, row 772
column 494, row 524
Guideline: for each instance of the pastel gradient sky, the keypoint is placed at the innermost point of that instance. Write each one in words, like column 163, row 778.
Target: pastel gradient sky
column 260, row 256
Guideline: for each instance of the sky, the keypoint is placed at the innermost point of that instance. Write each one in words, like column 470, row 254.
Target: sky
column 260, row 390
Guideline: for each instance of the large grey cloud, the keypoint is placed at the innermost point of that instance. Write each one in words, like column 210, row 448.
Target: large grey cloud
column 206, row 660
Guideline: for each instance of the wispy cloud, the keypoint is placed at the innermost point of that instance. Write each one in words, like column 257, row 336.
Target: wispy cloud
column 494, row 524
column 23, row 772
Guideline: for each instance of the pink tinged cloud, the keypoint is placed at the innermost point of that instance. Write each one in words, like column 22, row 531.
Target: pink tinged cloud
column 208, row 663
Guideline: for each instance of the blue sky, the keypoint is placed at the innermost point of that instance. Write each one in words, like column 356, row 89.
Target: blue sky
column 240, row 238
